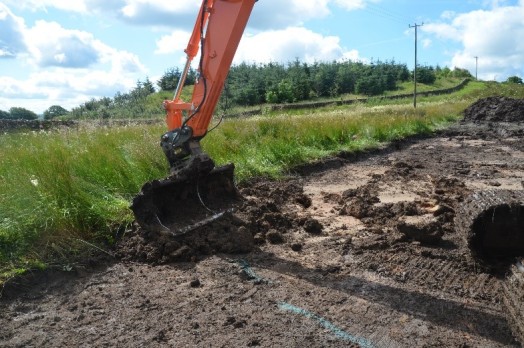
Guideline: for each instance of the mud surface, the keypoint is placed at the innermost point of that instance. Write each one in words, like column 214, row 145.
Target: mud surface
column 513, row 299
column 355, row 251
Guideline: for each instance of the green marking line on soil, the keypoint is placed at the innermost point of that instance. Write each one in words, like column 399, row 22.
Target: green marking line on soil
column 326, row 324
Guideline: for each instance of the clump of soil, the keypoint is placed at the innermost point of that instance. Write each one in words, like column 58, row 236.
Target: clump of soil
column 424, row 220
column 227, row 235
column 496, row 109
column 425, row 229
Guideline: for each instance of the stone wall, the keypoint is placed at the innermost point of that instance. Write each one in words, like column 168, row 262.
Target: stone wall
column 37, row 125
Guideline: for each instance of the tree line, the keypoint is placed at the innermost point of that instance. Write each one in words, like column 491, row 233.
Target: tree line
column 19, row 113
column 254, row 84
column 251, row 84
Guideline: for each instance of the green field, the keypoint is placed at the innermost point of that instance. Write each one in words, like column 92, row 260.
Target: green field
column 64, row 193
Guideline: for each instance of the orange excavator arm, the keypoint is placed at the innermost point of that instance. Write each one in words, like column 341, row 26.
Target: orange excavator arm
column 216, row 35
column 196, row 192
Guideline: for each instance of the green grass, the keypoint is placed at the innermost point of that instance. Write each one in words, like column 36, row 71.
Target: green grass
column 440, row 83
column 65, row 192
column 70, row 185
column 270, row 145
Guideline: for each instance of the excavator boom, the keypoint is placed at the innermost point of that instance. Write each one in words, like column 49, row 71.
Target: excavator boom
column 196, row 192
column 217, row 31
column 224, row 22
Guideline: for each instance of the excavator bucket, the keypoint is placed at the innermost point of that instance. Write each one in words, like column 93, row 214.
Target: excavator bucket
column 182, row 203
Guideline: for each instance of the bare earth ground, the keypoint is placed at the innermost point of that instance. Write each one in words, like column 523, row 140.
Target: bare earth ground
column 355, row 251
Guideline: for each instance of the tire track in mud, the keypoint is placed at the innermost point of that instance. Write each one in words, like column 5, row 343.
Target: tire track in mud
column 513, row 299
column 386, row 312
column 434, row 273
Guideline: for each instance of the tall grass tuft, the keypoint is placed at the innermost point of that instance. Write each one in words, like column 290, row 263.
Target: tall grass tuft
column 71, row 184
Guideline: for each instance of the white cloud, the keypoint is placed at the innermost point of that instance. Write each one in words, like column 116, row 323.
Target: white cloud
column 353, row 55
column 66, row 67
column 52, row 45
column 175, row 42
column 494, row 3
column 443, row 31
column 448, row 15
column 48, row 44
column 279, row 14
column 122, row 62
column 12, row 29
column 159, row 12
column 351, row 4
column 496, row 36
column 12, row 88
column 35, row 5
column 288, row 44
column 281, row 46
column 276, row 14
column 63, row 87
column 139, row 11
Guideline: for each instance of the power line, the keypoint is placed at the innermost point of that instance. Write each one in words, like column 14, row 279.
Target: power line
column 389, row 13
column 399, row 38
column 381, row 12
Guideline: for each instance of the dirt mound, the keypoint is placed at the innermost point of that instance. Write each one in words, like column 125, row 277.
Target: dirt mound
column 495, row 109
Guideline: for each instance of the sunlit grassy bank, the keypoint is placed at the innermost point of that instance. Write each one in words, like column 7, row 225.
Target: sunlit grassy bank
column 270, row 145
column 62, row 191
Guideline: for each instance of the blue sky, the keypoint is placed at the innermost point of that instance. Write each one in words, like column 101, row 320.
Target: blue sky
column 66, row 52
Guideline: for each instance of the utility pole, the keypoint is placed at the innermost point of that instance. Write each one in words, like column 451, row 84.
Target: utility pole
column 476, row 67
column 415, row 69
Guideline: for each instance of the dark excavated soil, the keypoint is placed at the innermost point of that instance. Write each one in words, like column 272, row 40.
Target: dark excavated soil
column 513, row 299
column 496, row 109
column 354, row 251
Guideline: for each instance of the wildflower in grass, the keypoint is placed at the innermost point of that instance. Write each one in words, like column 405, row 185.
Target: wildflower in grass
column 34, row 181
